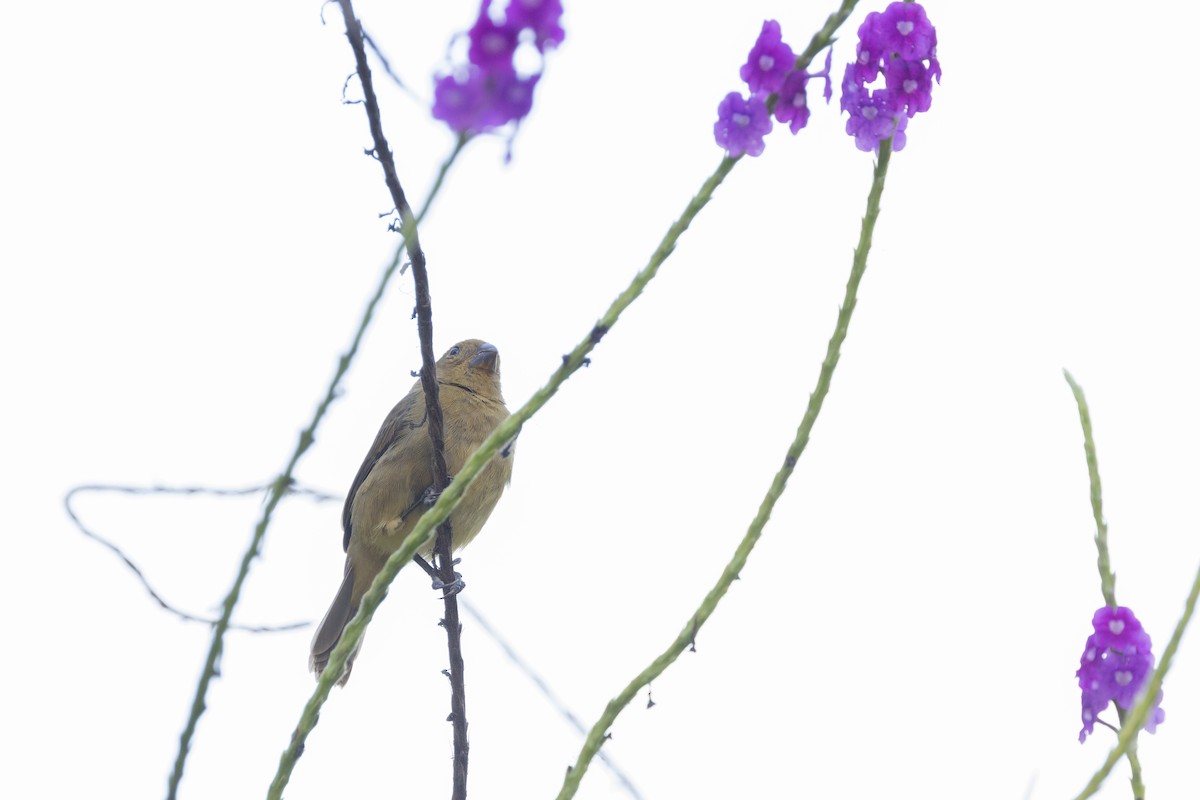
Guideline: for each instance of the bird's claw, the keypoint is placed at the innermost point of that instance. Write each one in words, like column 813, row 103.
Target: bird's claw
column 431, row 495
column 452, row 588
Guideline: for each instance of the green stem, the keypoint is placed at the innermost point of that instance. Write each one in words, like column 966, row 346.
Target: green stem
column 1108, row 581
column 450, row 497
column 278, row 489
column 687, row 636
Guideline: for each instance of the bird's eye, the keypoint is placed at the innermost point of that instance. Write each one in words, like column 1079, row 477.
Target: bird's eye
column 454, row 350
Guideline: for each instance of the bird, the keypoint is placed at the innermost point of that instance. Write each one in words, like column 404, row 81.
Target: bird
column 394, row 485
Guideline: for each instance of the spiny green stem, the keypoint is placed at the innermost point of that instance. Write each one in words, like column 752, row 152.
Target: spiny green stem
column 277, row 490
column 687, row 636
column 453, row 493
column 1108, row 581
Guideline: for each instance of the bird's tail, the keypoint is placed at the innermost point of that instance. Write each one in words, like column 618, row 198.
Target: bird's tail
column 329, row 632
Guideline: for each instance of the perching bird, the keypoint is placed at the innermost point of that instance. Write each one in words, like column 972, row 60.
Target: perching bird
column 394, row 485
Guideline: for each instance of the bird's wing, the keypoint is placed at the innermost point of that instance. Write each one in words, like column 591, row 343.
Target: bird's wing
column 408, row 415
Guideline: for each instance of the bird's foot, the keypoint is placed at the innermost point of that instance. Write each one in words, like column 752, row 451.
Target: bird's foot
column 450, row 589
column 431, row 495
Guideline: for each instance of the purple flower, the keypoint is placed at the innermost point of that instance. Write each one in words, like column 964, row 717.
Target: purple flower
column 875, row 116
column 769, row 69
column 903, row 29
column 741, row 125
column 456, row 102
column 482, row 101
column 851, row 88
column 869, row 51
column 1116, row 663
column 792, row 105
column 543, row 16
column 912, row 82
column 770, row 60
column 511, row 98
column 896, row 43
column 492, row 46
column 488, row 93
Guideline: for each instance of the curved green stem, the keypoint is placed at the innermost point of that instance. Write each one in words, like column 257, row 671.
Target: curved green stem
column 687, row 635
column 1108, row 581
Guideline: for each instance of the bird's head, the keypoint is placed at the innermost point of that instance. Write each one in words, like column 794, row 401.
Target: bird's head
column 472, row 364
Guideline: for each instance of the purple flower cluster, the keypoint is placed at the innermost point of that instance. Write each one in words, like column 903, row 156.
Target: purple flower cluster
column 900, row 44
column 1116, row 664
column 488, row 92
column 770, row 69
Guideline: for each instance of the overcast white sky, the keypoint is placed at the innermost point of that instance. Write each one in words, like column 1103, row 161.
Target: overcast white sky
column 190, row 235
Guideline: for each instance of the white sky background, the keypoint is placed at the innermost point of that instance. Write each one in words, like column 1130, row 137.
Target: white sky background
column 190, row 235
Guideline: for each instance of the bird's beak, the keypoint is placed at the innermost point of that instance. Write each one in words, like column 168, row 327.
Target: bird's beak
column 488, row 357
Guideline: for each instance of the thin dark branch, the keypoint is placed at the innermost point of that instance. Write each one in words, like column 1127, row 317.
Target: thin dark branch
column 424, row 312
column 183, row 490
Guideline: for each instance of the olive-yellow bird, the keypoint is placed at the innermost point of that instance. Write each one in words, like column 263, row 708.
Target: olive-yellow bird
column 394, row 485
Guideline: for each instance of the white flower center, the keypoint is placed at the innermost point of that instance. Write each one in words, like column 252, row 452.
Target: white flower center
column 799, row 101
column 1123, row 678
column 1116, row 626
column 741, row 120
column 910, row 86
column 870, row 112
column 905, row 27
column 765, row 62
